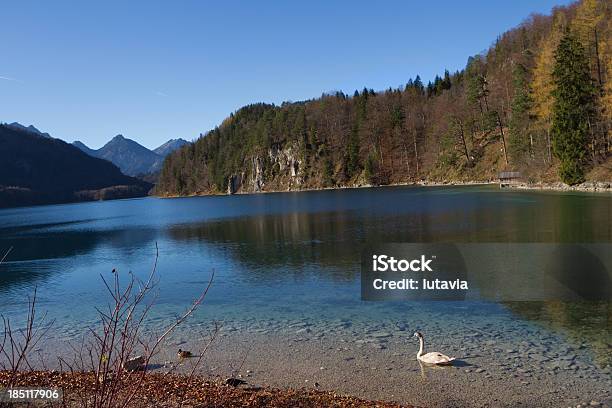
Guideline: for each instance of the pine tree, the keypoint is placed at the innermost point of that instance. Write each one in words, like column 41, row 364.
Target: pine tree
column 353, row 164
column 418, row 84
column 370, row 168
column 328, row 173
column 520, row 140
column 446, row 82
column 573, row 107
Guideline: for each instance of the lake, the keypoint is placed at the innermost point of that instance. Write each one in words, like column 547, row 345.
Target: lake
column 287, row 260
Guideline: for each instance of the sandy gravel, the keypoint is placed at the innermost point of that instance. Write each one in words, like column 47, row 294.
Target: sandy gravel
column 383, row 367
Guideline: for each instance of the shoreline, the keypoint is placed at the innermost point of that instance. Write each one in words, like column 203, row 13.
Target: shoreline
column 586, row 187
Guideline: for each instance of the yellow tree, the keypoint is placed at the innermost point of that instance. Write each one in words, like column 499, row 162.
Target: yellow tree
column 606, row 101
column 592, row 27
column 588, row 27
column 606, row 58
column 542, row 84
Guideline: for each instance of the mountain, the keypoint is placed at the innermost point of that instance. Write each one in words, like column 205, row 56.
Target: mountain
column 29, row 129
column 40, row 170
column 170, row 146
column 84, row 148
column 501, row 112
column 131, row 157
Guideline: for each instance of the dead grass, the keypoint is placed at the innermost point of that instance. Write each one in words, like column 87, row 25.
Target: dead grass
column 189, row 391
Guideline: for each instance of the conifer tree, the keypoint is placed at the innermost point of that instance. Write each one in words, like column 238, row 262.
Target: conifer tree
column 573, row 108
column 446, row 82
column 521, row 139
column 353, row 164
column 418, row 83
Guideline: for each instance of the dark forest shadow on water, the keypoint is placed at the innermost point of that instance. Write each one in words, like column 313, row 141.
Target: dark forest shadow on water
column 31, row 259
column 586, row 324
column 582, row 271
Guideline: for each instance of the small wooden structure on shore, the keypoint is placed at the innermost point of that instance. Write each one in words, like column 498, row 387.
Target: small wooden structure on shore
column 508, row 178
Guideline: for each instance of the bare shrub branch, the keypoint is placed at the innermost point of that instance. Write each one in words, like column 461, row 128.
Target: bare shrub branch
column 118, row 352
column 16, row 345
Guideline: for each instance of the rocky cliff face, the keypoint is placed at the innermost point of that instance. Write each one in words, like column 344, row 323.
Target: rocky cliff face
column 280, row 169
column 287, row 160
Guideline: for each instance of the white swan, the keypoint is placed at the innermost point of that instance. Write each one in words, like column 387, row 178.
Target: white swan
column 431, row 358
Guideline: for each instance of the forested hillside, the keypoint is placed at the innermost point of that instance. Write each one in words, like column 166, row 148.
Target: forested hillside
column 538, row 101
column 42, row 170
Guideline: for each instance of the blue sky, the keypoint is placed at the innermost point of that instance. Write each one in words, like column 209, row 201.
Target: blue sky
column 158, row 70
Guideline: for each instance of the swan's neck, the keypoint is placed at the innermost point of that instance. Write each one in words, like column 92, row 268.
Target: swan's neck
column 421, row 347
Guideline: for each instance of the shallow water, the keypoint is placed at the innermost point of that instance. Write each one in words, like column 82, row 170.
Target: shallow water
column 290, row 260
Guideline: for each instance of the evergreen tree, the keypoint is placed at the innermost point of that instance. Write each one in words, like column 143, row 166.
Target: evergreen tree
column 328, row 172
column 542, row 85
column 520, row 139
column 437, row 85
column 418, row 84
column 370, row 168
column 353, row 164
column 573, row 107
column 476, row 84
column 430, row 89
column 409, row 85
column 446, row 82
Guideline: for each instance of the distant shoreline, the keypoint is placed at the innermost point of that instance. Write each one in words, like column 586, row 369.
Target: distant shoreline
column 587, row 187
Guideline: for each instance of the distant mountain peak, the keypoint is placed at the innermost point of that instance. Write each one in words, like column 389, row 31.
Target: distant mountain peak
column 30, row 129
column 130, row 156
column 84, row 148
column 170, row 146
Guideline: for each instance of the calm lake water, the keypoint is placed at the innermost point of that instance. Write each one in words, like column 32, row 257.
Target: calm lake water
column 292, row 257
